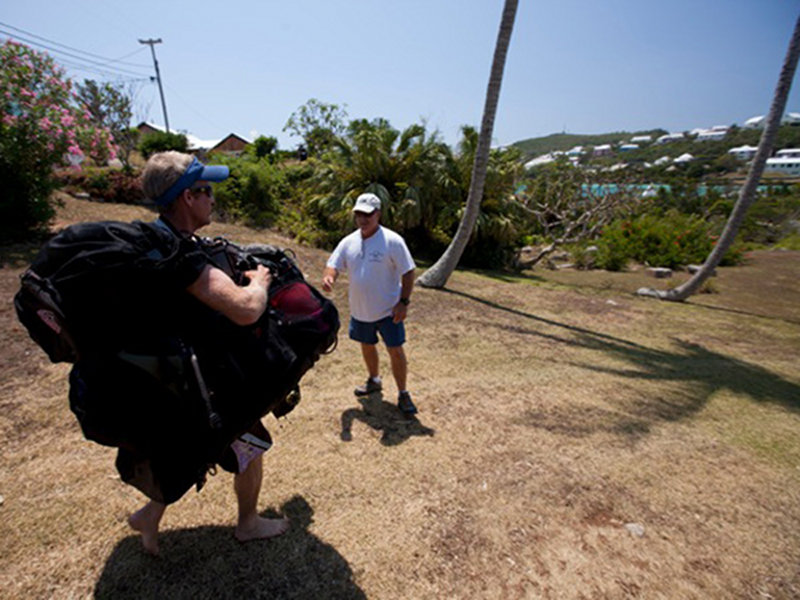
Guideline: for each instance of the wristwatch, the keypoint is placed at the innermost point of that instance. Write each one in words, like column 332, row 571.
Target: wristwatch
column 405, row 301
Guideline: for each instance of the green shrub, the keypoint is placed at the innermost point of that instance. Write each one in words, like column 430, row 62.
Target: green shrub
column 161, row 141
column 790, row 242
column 103, row 183
column 668, row 240
column 253, row 193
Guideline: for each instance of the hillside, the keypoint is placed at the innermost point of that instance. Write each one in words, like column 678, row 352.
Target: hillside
column 564, row 141
column 573, row 441
column 709, row 155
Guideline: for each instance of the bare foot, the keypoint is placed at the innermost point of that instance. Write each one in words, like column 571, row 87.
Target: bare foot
column 260, row 528
column 145, row 521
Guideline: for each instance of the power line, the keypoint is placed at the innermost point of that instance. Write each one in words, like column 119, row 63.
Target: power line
column 104, row 58
column 194, row 109
column 102, row 73
column 82, row 60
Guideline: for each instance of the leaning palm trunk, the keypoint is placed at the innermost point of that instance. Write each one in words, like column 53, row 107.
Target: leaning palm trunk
column 748, row 192
column 438, row 274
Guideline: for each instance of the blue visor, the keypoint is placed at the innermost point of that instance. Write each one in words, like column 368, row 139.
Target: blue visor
column 196, row 171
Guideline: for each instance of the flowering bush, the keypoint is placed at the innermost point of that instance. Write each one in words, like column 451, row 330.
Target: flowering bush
column 43, row 126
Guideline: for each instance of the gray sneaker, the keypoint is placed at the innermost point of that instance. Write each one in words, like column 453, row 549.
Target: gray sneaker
column 369, row 386
column 406, row 405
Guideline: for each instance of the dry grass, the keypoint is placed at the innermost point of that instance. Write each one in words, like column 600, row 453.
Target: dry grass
column 555, row 409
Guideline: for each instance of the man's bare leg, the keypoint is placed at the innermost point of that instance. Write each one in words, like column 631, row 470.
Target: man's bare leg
column 251, row 526
column 145, row 521
column 371, row 359
column 399, row 366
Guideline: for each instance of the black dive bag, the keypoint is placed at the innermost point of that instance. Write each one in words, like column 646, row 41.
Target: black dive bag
column 156, row 373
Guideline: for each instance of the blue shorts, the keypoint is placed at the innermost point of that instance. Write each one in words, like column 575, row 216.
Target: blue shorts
column 393, row 334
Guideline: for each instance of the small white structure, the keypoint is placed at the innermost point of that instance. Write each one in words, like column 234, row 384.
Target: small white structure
column 540, row 160
column 683, row 158
column 743, row 152
column 602, row 150
column 784, row 166
column 711, row 135
column 575, row 151
column 755, row 122
column 650, row 192
column 791, row 118
column 788, row 153
column 641, row 139
column 662, row 161
column 628, row 147
column 669, row 137
column 194, row 143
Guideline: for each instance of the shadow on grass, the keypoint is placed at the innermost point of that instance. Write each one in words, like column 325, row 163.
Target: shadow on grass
column 737, row 311
column 701, row 370
column 208, row 562
column 385, row 417
column 19, row 255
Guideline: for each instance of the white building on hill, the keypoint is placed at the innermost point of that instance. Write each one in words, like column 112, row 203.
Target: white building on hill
column 754, row 122
column 540, row 160
column 602, row 150
column 669, row 137
column 684, row 158
column 743, row 152
column 788, row 153
column 784, row 166
column 791, row 118
column 711, row 135
column 641, row 139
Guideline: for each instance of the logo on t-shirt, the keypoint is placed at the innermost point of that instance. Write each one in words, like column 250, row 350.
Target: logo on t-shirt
column 375, row 256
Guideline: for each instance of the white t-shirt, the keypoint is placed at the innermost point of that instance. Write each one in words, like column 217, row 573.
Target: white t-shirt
column 375, row 267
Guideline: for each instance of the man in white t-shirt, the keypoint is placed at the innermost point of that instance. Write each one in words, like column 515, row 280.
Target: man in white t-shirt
column 381, row 273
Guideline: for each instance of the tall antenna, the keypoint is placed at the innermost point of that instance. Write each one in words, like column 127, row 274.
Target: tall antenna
column 151, row 42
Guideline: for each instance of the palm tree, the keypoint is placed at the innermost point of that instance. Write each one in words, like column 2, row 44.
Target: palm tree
column 440, row 272
column 374, row 157
column 748, row 192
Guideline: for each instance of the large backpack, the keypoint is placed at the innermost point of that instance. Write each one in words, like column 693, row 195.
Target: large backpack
column 170, row 384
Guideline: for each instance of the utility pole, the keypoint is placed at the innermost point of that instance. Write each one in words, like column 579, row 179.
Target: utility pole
column 151, row 42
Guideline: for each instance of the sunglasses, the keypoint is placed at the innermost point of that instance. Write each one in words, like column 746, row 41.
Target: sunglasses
column 202, row 189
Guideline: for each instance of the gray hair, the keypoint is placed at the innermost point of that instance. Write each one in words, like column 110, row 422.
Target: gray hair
column 162, row 171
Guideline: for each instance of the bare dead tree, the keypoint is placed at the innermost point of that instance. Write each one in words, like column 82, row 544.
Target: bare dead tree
column 570, row 211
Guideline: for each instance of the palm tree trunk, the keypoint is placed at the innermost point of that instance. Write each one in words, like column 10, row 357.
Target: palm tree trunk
column 438, row 274
column 748, row 192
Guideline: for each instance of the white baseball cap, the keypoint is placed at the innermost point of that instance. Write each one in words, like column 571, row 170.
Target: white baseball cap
column 367, row 203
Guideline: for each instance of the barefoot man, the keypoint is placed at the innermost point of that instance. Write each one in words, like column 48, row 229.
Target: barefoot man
column 180, row 185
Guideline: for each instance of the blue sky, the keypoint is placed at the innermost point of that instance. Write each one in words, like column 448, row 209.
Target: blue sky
column 580, row 66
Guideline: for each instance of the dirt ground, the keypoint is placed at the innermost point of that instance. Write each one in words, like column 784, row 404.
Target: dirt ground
column 573, row 441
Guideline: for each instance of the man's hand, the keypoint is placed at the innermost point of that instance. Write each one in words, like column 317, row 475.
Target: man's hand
column 399, row 312
column 328, row 278
column 259, row 276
